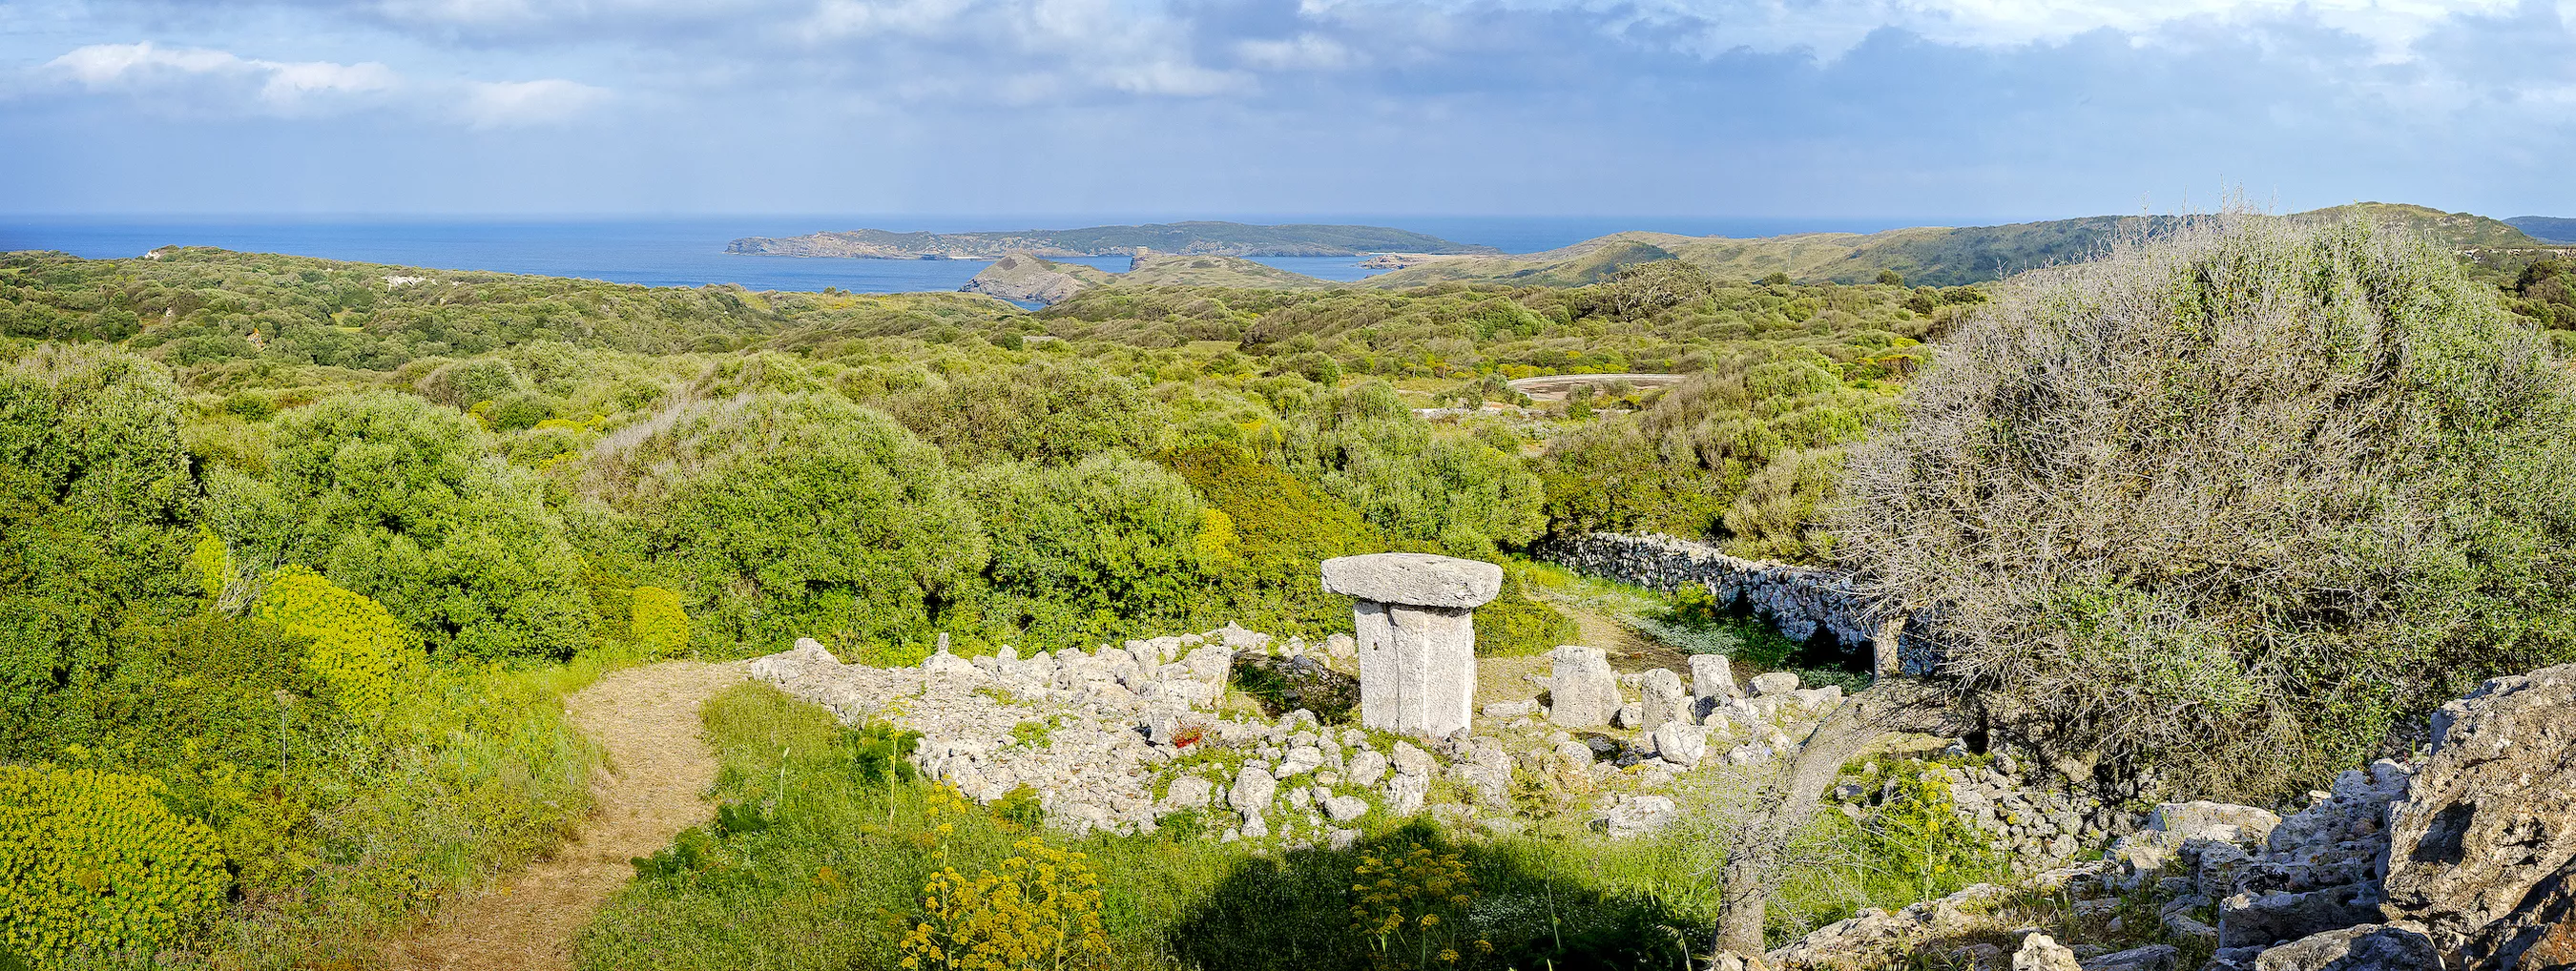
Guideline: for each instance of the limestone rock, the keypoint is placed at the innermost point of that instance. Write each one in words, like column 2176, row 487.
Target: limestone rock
column 1412, row 761
column 1774, row 683
column 1681, row 743
column 1343, row 809
column 1252, row 790
column 1640, row 815
column 807, row 660
column 1712, row 677
column 2040, row 952
column 1367, row 766
column 1582, row 690
column 1414, row 579
column 2225, row 822
column 1188, row 792
column 2153, row 957
column 1630, row 716
column 2369, row 947
column 2484, row 852
column 1404, row 793
column 1664, row 699
column 2250, row 920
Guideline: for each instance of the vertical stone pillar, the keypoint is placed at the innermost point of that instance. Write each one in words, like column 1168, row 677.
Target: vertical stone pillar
column 1414, row 621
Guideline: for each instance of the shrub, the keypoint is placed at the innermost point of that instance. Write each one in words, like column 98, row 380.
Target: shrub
column 1041, row 910
column 797, row 515
column 401, row 500
column 1518, row 623
column 357, row 646
column 659, row 626
column 1411, row 481
column 1092, row 550
column 1283, row 530
column 2233, row 501
column 90, row 862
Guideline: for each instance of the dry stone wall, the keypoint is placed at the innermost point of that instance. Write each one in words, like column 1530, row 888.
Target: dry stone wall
column 1802, row 602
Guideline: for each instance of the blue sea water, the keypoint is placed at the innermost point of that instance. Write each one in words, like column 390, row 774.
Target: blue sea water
column 690, row 252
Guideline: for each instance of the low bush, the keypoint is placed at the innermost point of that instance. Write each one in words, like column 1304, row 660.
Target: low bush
column 657, row 624
column 92, row 864
column 357, row 646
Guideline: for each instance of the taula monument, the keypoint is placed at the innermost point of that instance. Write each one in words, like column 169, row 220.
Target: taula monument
column 1415, row 620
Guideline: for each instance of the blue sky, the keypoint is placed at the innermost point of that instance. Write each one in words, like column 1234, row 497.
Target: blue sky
column 1938, row 109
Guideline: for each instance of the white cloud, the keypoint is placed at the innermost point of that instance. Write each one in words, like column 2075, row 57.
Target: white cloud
column 273, row 87
column 1832, row 27
column 1306, row 51
column 498, row 104
column 200, row 80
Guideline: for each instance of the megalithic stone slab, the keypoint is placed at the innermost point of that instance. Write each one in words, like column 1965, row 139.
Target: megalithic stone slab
column 1413, row 621
column 1435, row 660
column 1414, row 579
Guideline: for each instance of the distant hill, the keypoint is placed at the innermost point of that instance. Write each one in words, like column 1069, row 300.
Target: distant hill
column 2547, row 229
column 1188, row 238
column 1924, row 255
column 1021, row 276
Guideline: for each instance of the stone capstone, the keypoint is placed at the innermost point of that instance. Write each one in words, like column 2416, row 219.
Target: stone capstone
column 1774, row 683
column 1416, row 636
column 1414, row 579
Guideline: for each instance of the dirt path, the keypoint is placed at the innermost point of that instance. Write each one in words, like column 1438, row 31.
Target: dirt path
column 658, row 774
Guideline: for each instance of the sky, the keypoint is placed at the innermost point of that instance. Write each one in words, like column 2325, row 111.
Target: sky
column 1930, row 109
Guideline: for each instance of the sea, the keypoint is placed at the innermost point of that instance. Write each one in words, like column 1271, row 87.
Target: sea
column 688, row 252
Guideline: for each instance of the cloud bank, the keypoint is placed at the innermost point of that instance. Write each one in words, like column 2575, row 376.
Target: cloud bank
column 1967, row 108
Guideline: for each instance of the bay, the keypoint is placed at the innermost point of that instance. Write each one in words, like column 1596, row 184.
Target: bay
column 688, row 252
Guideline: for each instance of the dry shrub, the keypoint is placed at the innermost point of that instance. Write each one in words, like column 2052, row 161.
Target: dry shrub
column 2233, row 500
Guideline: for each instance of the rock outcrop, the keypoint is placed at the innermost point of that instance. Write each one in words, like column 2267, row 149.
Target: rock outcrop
column 2485, row 840
column 1024, row 278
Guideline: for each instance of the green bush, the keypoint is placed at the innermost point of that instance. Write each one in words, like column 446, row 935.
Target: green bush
column 95, row 509
column 357, row 649
column 1098, row 549
column 398, row 499
column 1283, row 530
column 797, row 515
column 657, row 623
column 1517, row 623
column 91, row 863
column 1457, row 491
column 2234, row 502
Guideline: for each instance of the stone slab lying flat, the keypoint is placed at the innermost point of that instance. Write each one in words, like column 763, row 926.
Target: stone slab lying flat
column 1414, row 579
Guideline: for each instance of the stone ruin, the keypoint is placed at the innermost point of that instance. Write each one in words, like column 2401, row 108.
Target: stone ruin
column 1414, row 613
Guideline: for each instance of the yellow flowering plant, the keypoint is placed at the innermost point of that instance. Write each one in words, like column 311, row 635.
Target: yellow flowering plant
column 1041, row 910
column 92, row 862
column 357, row 645
column 1412, row 908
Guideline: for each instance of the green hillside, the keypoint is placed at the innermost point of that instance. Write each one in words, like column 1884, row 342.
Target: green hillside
column 2547, row 229
column 1924, row 255
column 1172, row 269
